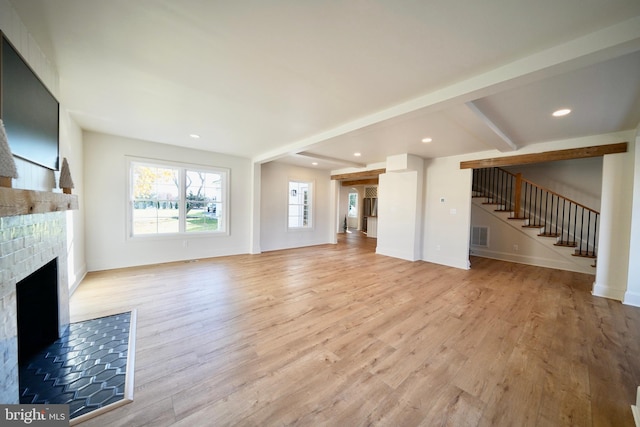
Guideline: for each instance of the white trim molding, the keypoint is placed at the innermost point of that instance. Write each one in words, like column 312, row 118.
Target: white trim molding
column 605, row 291
column 635, row 409
column 631, row 298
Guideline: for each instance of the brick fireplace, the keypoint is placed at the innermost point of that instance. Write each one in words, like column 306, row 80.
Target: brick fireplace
column 27, row 243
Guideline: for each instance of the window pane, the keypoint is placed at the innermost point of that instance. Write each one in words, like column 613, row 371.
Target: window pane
column 154, row 219
column 155, row 199
column 205, row 198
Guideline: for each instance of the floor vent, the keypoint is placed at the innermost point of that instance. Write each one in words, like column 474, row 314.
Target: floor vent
column 480, row 236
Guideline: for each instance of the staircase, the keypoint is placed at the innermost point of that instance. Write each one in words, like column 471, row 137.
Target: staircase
column 568, row 227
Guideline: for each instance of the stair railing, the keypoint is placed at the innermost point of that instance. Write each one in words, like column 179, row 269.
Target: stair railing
column 572, row 223
column 497, row 186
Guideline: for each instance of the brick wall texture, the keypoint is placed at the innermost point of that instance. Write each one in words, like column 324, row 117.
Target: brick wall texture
column 27, row 243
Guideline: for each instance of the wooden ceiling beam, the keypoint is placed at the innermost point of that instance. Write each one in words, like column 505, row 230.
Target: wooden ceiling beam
column 370, row 181
column 358, row 175
column 548, row 156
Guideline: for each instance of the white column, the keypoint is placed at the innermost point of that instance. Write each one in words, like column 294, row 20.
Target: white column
column 400, row 195
column 632, row 295
column 256, row 188
column 334, row 226
column 615, row 225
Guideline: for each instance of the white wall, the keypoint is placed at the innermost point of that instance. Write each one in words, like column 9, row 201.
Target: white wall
column 34, row 177
column 447, row 212
column 400, row 193
column 396, row 214
column 71, row 147
column 109, row 247
column 579, row 179
column 275, row 234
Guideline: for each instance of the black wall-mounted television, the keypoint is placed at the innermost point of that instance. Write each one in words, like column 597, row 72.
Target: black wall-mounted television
column 29, row 111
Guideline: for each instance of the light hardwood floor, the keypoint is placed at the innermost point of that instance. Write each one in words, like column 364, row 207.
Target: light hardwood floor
column 336, row 335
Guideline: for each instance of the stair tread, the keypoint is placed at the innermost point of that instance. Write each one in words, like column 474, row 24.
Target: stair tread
column 585, row 254
column 533, row 226
column 565, row 243
column 523, row 218
column 548, row 235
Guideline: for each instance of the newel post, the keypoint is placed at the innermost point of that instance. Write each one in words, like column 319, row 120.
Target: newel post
column 516, row 205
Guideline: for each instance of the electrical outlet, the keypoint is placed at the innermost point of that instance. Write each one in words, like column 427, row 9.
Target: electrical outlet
column 438, row 247
column 515, row 248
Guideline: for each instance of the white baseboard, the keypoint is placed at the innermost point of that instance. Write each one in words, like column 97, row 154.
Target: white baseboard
column 80, row 275
column 462, row 264
column 631, row 298
column 600, row 290
column 635, row 409
column 409, row 256
column 558, row 263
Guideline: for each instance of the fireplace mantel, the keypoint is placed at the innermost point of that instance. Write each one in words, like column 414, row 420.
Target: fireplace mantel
column 14, row 202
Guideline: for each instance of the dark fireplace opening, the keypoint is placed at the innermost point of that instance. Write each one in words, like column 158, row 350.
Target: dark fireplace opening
column 37, row 310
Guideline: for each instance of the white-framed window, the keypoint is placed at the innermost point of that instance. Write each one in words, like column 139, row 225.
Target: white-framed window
column 172, row 198
column 300, row 205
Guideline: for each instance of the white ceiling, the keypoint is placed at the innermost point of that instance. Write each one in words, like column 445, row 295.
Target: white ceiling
column 268, row 80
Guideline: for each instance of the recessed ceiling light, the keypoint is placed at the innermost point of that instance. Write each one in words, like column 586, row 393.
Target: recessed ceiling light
column 561, row 112
column 194, row 135
column 357, row 154
column 426, row 140
column 315, row 163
